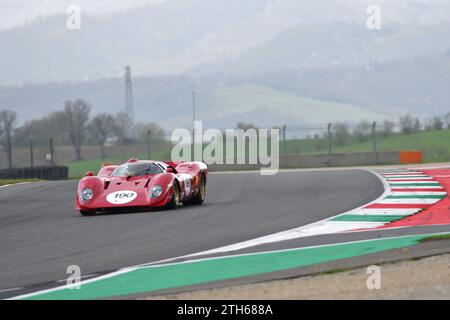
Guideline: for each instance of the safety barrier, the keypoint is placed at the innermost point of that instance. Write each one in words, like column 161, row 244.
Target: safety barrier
column 45, row 173
column 333, row 160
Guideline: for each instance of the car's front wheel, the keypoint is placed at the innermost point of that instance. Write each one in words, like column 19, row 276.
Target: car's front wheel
column 174, row 200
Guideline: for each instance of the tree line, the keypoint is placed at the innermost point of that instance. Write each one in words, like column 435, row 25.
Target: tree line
column 74, row 125
column 407, row 124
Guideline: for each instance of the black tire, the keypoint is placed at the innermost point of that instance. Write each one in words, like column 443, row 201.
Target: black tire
column 174, row 200
column 200, row 197
column 87, row 213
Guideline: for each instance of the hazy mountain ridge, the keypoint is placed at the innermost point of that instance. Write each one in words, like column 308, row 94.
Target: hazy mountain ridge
column 301, row 48
column 179, row 37
column 168, row 101
column 151, row 39
column 296, row 49
column 417, row 85
column 17, row 13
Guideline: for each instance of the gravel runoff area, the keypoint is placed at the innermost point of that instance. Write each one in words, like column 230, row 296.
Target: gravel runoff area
column 427, row 278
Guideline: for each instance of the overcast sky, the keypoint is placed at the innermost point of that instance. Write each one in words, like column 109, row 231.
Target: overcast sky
column 17, row 12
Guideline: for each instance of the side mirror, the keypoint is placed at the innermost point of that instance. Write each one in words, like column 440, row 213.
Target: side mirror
column 89, row 174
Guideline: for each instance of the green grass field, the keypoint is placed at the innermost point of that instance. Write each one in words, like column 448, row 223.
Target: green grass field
column 434, row 144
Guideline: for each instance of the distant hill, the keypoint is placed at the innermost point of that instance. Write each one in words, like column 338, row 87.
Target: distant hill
column 168, row 101
column 417, row 85
column 267, row 107
column 328, row 46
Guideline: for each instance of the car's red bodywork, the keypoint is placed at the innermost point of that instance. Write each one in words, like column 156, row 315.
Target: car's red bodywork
column 134, row 192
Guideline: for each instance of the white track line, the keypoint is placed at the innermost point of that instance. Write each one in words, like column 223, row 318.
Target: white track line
column 402, row 173
column 82, row 277
column 416, row 187
column 443, row 166
column 418, row 193
column 423, row 183
column 165, row 262
column 409, row 201
column 410, row 178
column 11, row 289
column 13, row 184
column 385, row 212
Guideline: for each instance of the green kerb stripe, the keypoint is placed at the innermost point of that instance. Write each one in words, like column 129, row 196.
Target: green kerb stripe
column 368, row 218
column 148, row 279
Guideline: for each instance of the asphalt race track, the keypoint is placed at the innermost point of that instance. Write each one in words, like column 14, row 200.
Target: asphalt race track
column 42, row 234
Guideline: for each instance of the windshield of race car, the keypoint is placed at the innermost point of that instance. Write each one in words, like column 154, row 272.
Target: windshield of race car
column 136, row 169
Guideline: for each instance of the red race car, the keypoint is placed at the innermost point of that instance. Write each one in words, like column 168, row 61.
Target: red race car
column 140, row 185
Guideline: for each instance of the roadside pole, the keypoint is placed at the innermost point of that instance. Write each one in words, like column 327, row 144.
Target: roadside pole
column 284, row 140
column 31, row 154
column 329, row 144
column 193, row 124
column 51, row 151
column 149, row 132
column 374, row 140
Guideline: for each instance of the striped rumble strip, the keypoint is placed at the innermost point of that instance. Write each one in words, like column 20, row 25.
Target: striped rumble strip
column 410, row 192
column 406, row 193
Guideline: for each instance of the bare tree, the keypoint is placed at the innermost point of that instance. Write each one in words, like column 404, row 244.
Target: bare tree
column 407, row 124
column 417, row 126
column 142, row 129
column 245, row 126
column 388, row 128
column 427, row 124
column 7, row 124
column 102, row 128
column 362, row 131
column 40, row 130
column 76, row 116
column 437, row 123
column 341, row 133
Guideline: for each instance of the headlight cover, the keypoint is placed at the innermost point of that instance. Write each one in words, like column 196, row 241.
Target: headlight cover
column 156, row 191
column 87, row 194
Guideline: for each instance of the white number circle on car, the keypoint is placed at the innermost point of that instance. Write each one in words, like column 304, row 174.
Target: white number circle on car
column 121, row 197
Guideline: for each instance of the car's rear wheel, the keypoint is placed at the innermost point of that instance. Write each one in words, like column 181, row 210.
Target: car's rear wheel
column 87, row 213
column 199, row 198
column 174, row 200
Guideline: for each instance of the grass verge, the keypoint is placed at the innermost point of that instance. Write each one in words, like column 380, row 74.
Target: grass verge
column 436, row 238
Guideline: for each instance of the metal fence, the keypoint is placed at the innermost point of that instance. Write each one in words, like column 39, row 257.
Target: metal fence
column 329, row 138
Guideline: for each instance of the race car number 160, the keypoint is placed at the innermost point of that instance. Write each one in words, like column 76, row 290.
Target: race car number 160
column 121, row 197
